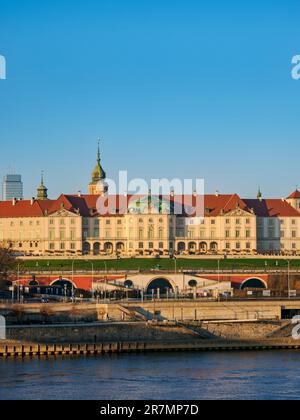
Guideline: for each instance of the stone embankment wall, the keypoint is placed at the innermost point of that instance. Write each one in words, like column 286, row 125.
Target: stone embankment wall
column 146, row 332
column 126, row 332
column 243, row 330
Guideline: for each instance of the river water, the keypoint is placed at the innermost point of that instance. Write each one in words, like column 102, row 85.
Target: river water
column 196, row 376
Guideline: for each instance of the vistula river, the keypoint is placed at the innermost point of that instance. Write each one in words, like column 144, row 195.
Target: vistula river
column 166, row 376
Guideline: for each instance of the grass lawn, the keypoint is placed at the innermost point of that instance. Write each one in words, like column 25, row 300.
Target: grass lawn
column 163, row 264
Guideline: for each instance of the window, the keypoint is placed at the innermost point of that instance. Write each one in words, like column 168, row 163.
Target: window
column 51, row 246
column 228, row 246
column 150, row 233
column 271, row 233
column 294, row 234
column 247, row 221
column 248, row 245
column 213, row 222
column 72, row 221
column 191, row 234
column 62, row 235
column 72, row 246
column 161, row 245
column 227, row 221
column 51, row 222
column 237, row 221
column 238, row 245
column 248, row 233
column 107, row 222
column 141, row 233
column 227, row 233
column 282, row 234
column 151, row 245
column 237, row 233
column 141, row 245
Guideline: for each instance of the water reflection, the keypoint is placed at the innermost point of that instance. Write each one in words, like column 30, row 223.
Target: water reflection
column 246, row 375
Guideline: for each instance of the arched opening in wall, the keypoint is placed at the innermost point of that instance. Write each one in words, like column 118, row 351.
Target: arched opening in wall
column 181, row 247
column 214, row 247
column 192, row 247
column 253, row 283
column 120, row 247
column 108, row 248
column 203, row 247
column 33, row 283
column 86, row 248
column 162, row 284
column 96, row 248
column 63, row 284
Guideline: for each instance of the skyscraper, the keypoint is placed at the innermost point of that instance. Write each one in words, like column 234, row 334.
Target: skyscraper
column 12, row 187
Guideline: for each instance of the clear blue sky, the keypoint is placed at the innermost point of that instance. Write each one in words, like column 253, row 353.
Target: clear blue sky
column 175, row 89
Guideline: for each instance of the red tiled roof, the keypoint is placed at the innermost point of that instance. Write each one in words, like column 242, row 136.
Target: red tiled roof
column 86, row 205
column 295, row 194
column 272, row 208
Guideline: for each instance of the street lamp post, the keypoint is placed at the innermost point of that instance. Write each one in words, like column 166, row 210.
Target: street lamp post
column 105, row 282
column 92, row 264
column 289, row 291
column 218, row 280
column 73, row 262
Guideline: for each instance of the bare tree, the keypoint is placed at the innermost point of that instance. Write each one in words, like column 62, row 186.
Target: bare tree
column 8, row 265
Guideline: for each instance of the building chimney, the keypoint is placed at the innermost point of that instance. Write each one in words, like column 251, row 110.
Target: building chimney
column 79, row 193
column 14, row 202
column 32, row 201
column 217, row 193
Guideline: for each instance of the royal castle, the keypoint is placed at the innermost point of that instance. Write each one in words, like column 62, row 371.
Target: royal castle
column 71, row 225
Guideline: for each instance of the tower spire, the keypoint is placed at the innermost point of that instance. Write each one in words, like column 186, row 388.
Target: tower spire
column 259, row 194
column 98, row 154
column 42, row 191
column 98, row 186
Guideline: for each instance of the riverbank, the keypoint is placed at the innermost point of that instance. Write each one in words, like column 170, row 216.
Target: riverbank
column 124, row 337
